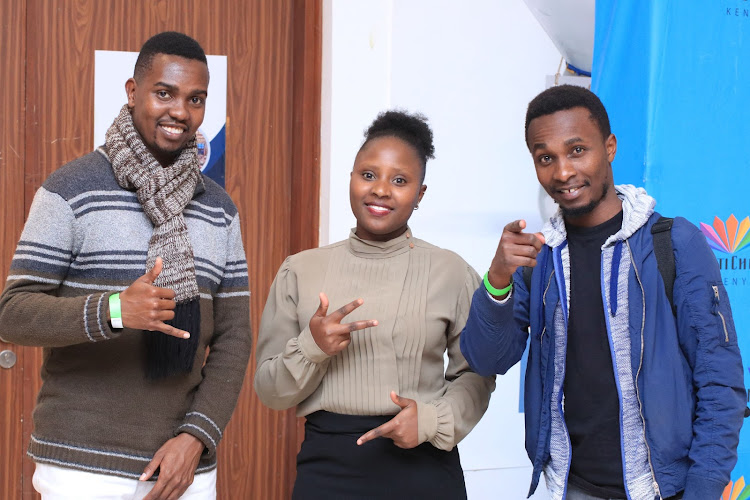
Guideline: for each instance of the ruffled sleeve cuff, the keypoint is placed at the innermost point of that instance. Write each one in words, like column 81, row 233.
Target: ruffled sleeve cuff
column 309, row 348
column 436, row 424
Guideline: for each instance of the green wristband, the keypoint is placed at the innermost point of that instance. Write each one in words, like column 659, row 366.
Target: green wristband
column 494, row 291
column 115, row 313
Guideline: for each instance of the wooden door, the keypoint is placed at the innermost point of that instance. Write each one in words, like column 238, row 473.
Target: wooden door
column 12, row 53
column 272, row 156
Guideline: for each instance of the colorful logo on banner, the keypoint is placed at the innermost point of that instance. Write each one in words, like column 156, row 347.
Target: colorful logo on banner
column 730, row 237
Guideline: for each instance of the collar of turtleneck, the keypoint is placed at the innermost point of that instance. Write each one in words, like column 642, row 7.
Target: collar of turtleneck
column 380, row 249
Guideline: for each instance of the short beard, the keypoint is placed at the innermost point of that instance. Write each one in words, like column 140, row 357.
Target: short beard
column 586, row 209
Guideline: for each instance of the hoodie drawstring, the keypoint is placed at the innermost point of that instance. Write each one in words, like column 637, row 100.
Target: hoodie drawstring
column 616, row 256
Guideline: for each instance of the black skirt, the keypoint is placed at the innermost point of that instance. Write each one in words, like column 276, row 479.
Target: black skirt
column 331, row 465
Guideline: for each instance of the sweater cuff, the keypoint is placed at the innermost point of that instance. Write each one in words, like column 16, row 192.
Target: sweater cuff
column 95, row 322
column 700, row 488
column 309, row 348
column 202, row 427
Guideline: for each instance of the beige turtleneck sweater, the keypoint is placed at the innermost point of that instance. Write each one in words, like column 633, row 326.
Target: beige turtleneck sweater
column 420, row 294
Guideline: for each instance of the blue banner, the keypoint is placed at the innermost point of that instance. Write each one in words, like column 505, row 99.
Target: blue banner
column 675, row 79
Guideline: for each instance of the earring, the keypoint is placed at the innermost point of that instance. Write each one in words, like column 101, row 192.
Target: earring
column 416, row 207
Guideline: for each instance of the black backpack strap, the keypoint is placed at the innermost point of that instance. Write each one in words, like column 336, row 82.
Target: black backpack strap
column 527, row 277
column 662, row 231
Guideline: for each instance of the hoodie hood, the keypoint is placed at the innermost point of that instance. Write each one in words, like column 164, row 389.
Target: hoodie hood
column 637, row 207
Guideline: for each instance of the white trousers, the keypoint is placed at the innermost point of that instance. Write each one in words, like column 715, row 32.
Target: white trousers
column 58, row 483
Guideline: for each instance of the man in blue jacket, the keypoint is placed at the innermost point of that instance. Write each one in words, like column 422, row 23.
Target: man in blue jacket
column 625, row 396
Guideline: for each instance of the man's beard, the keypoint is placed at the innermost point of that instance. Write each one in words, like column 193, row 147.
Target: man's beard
column 586, row 209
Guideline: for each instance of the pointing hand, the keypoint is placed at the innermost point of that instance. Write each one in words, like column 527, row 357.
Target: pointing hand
column 516, row 248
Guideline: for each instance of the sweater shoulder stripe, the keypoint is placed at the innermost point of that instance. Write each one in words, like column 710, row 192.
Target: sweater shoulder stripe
column 114, row 201
column 46, row 267
column 209, row 265
column 209, row 210
column 139, row 253
column 100, row 195
column 60, row 257
column 91, row 175
column 226, row 295
column 28, row 245
column 102, row 269
column 206, row 273
column 239, row 265
column 109, row 208
column 36, row 279
column 106, row 206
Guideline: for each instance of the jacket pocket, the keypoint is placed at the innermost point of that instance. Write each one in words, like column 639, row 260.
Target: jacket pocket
column 721, row 310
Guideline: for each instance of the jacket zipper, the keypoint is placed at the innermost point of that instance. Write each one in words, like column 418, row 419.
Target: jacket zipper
column 718, row 311
column 544, row 302
column 638, row 373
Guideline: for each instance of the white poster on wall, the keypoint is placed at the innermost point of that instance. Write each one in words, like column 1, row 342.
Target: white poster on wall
column 113, row 68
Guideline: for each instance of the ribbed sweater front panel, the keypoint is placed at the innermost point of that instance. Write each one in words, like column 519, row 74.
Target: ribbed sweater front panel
column 353, row 382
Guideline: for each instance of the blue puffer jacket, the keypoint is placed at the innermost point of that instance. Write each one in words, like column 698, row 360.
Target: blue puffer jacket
column 679, row 379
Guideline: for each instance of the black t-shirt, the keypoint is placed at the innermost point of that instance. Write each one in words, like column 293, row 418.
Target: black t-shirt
column 592, row 408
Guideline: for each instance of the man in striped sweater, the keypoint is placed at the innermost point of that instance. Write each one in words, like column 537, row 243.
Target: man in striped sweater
column 129, row 270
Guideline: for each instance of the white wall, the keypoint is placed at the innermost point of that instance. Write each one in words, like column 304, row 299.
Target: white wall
column 471, row 67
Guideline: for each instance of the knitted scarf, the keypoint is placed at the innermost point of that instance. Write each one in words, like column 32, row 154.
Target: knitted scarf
column 163, row 193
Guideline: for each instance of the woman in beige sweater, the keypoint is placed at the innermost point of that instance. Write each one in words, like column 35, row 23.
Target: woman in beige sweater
column 354, row 335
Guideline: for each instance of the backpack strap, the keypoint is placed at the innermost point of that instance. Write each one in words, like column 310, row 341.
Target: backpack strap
column 662, row 231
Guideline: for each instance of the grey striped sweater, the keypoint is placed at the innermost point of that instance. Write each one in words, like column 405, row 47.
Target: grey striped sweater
column 86, row 238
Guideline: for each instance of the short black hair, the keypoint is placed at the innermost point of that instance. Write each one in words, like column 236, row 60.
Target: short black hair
column 170, row 43
column 411, row 128
column 562, row 97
